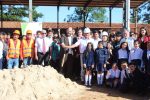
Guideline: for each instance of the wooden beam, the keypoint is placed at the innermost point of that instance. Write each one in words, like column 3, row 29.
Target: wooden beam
column 87, row 3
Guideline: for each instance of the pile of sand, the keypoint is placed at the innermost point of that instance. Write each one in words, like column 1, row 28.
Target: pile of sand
column 37, row 83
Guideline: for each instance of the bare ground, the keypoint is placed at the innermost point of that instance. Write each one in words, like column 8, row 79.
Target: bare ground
column 103, row 93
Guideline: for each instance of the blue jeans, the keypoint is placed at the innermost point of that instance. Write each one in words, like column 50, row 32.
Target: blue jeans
column 27, row 61
column 1, row 65
column 13, row 62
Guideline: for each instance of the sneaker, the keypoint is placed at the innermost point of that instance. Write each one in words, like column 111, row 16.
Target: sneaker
column 86, row 84
column 90, row 85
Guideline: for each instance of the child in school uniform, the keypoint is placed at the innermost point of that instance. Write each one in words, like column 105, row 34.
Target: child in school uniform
column 88, row 63
column 124, row 77
column 136, row 55
column 146, row 60
column 139, row 80
column 110, row 55
column 101, row 57
column 148, row 57
column 112, row 76
column 123, row 54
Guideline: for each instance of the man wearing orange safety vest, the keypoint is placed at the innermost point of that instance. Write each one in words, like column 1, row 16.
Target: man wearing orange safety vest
column 27, row 49
column 14, row 50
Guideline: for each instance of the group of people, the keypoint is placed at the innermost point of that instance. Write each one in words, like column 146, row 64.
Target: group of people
column 118, row 60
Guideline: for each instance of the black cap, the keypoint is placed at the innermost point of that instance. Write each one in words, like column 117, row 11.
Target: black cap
column 118, row 33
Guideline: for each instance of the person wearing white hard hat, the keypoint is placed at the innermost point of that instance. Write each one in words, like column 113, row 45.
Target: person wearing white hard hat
column 104, row 36
column 82, row 43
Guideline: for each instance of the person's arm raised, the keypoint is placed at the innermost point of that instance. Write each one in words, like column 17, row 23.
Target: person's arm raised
column 71, row 46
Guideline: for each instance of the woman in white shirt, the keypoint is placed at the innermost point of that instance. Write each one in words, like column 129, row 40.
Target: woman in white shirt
column 112, row 76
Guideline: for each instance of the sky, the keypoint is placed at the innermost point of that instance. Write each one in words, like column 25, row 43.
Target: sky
column 50, row 14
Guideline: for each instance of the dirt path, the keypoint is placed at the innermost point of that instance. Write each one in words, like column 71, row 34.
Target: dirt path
column 103, row 93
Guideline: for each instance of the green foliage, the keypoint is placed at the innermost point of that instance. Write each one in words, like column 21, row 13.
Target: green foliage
column 92, row 14
column 143, row 13
column 18, row 13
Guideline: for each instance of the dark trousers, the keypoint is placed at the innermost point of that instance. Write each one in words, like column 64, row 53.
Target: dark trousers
column 43, row 57
column 55, row 64
column 4, row 63
column 77, row 67
column 68, row 66
column 125, row 86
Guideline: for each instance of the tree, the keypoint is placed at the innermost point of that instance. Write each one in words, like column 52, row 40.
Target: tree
column 18, row 13
column 92, row 14
column 143, row 13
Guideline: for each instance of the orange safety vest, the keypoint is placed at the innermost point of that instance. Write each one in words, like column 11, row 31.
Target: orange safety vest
column 14, row 51
column 28, row 48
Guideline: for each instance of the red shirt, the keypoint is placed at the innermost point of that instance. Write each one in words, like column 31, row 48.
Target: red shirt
column 146, row 39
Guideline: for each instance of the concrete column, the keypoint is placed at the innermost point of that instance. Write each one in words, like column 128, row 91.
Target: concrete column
column 58, row 17
column 136, row 13
column 127, row 14
column 30, row 11
column 110, row 17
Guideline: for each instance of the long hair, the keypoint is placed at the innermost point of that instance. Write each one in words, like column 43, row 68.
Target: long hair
column 140, row 35
column 126, row 47
column 87, row 51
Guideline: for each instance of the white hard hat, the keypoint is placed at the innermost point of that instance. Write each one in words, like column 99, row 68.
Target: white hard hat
column 44, row 31
column 87, row 30
column 104, row 33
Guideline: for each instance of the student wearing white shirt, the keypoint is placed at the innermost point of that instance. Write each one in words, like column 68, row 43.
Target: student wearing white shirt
column 146, row 59
column 82, row 43
column 128, row 39
column 124, row 72
column 124, row 77
column 42, row 48
column 112, row 76
column 96, row 39
column 123, row 54
column 1, row 54
column 136, row 55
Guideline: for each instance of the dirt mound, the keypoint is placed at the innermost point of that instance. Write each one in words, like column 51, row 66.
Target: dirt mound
column 37, row 83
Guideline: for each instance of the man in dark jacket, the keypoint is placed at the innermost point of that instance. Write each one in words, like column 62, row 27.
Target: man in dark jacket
column 66, row 55
column 116, row 45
